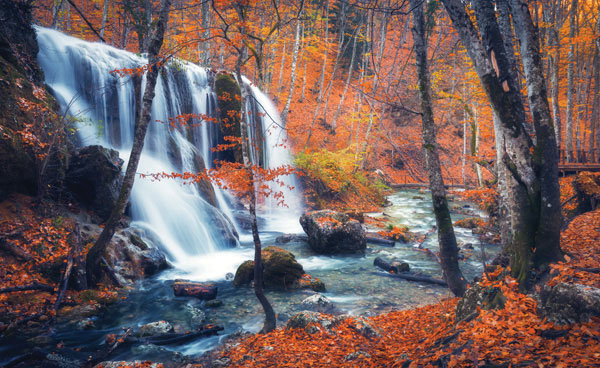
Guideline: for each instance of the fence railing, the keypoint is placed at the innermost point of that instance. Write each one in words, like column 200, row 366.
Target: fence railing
column 580, row 156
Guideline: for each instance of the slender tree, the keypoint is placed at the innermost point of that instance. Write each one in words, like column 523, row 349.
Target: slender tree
column 446, row 238
column 95, row 256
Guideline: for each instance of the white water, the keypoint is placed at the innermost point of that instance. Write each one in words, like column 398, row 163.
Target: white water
column 195, row 234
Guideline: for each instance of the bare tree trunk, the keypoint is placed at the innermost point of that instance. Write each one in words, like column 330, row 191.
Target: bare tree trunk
column 321, row 78
column 554, row 62
column 104, row 15
column 96, row 253
column 475, row 146
column 348, row 79
column 205, row 59
column 341, row 49
column 570, row 82
column 270, row 318
column 446, row 238
column 290, row 95
column 282, row 66
column 305, row 62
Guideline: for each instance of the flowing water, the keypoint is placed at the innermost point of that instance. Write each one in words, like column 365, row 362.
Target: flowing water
column 183, row 223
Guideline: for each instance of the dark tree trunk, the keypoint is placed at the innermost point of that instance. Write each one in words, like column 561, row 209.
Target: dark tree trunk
column 270, row 318
column 527, row 181
column 96, row 253
column 545, row 155
column 446, row 238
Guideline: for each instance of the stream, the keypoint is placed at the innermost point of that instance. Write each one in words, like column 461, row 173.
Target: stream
column 353, row 284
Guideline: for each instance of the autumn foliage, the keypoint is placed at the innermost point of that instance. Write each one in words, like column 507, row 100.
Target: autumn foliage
column 429, row 336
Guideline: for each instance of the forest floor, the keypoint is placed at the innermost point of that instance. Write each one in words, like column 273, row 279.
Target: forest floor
column 429, row 336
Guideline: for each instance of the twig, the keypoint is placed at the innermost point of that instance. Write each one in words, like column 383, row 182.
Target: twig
column 85, row 20
column 34, row 286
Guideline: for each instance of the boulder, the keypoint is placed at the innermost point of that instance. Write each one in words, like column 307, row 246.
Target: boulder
column 280, row 271
column 244, row 274
column 312, row 322
column 317, row 303
column 331, row 232
column 286, row 238
column 94, row 177
column 155, row 328
column 129, row 254
column 569, row 303
column 122, row 363
column 200, row 290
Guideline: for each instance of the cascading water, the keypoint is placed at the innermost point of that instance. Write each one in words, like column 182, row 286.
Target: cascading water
column 177, row 216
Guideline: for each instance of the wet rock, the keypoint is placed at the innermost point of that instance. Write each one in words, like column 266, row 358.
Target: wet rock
column 222, row 362
column 123, row 363
column 197, row 316
column 200, row 290
column 215, row 303
column 244, row 274
column 365, row 328
column 317, row 303
column 286, row 238
column 570, row 303
column 94, row 177
column 155, row 328
column 356, row 355
column 280, row 269
column 86, row 324
column 313, row 321
column 469, row 223
column 331, row 232
column 130, row 253
column 76, row 314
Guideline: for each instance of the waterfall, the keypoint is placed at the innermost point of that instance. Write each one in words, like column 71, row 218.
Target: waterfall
column 176, row 216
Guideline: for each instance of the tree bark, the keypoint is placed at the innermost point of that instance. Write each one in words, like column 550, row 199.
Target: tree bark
column 446, row 238
column 545, row 155
column 527, row 181
column 270, row 318
column 96, row 253
column 290, row 95
column 348, row 79
column 571, row 83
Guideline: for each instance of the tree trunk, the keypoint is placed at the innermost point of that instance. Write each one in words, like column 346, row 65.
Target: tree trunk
column 205, row 59
column 270, row 319
column 545, row 155
column 96, row 253
column 446, row 238
column 348, row 79
column 531, row 182
column 571, row 83
column 104, row 15
column 321, row 77
column 290, row 95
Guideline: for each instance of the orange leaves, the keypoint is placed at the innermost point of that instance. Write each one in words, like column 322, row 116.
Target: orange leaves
column 428, row 336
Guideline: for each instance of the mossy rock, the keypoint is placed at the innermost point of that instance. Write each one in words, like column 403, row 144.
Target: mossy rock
column 244, row 274
column 281, row 270
column 469, row 223
column 229, row 108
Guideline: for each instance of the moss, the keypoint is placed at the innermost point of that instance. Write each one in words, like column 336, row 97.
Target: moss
column 229, row 109
column 244, row 274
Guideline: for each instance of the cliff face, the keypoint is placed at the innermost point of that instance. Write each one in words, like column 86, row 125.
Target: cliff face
column 27, row 111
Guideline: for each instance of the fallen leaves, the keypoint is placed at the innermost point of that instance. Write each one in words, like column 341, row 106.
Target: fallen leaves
column 429, row 337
